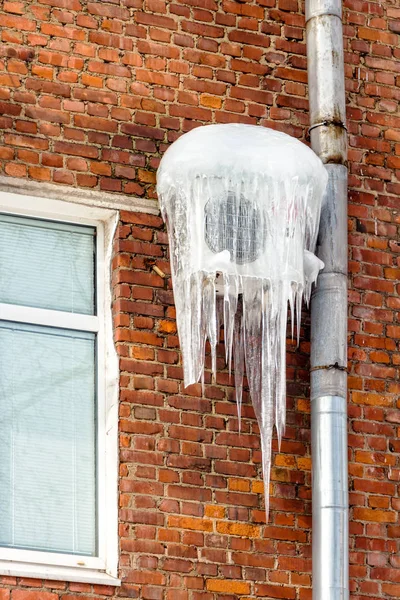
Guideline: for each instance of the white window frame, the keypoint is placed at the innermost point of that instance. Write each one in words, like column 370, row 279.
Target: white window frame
column 102, row 569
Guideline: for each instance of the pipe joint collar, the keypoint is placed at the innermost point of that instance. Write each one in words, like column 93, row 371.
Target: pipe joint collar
column 315, row 8
column 332, row 382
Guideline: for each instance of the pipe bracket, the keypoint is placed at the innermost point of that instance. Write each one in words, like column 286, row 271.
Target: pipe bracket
column 329, row 368
column 328, row 123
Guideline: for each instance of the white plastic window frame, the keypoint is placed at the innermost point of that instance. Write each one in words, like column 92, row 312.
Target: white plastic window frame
column 101, row 569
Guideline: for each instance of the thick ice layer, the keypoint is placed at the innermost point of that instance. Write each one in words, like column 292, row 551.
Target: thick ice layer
column 242, row 206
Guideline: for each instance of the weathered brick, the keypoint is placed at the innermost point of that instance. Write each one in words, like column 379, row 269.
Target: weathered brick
column 33, row 595
column 228, row 586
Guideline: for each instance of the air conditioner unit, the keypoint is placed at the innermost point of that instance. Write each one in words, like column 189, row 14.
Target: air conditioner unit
column 242, row 206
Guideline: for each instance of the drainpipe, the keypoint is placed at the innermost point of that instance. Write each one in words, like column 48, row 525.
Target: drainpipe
column 329, row 306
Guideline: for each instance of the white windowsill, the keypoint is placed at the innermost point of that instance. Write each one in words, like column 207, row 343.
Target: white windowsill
column 81, row 575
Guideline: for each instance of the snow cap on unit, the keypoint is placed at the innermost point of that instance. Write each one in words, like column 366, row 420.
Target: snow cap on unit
column 242, row 206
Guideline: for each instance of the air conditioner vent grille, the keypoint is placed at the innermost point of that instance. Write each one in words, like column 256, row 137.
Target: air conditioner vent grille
column 235, row 225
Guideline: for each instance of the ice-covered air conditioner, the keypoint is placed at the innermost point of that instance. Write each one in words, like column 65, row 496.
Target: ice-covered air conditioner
column 242, row 206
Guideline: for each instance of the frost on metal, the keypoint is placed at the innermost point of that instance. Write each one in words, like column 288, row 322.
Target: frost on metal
column 242, row 207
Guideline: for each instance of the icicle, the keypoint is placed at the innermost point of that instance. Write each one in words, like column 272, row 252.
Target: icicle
column 238, row 341
column 231, row 294
column 210, row 317
column 242, row 206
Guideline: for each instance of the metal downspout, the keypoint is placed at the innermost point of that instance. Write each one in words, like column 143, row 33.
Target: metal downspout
column 328, row 134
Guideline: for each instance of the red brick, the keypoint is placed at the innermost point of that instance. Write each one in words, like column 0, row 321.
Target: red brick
column 275, row 591
column 76, row 149
column 28, row 595
column 16, row 170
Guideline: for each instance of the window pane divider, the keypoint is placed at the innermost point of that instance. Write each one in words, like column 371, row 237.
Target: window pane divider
column 49, row 318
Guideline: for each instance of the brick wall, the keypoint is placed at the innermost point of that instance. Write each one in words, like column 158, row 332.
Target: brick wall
column 91, row 93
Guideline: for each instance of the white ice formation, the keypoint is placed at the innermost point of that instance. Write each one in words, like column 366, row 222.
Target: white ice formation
column 242, row 206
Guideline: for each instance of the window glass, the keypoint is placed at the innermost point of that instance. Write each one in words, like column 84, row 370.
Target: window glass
column 47, row 435
column 45, row 264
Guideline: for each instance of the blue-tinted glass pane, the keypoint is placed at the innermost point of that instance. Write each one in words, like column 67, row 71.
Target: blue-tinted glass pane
column 47, row 439
column 45, row 264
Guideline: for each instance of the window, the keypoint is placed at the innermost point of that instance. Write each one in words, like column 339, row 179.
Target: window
column 58, row 392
